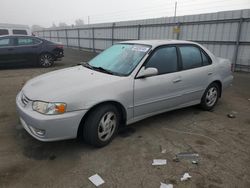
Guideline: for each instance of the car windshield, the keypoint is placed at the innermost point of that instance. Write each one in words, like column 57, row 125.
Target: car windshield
column 120, row 59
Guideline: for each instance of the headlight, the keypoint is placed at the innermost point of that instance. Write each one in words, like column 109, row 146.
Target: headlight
column 49, row 108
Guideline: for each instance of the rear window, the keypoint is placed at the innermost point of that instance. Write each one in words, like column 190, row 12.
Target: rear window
column 4, row 42
column 4, row 32
column 19, row 32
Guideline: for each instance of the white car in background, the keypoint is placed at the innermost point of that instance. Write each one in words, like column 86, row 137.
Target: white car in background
column 14, row 29
column 128, row 82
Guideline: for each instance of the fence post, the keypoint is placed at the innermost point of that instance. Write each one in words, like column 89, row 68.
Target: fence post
column 179, row 30
column 112, row 33
column 78, row 38
column 139, row 32
column 237, row 43
column 50, row 35
column 57, row 34
column 66, row 34
column 93, row 38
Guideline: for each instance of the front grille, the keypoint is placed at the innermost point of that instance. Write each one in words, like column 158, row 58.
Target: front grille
column 24, row 99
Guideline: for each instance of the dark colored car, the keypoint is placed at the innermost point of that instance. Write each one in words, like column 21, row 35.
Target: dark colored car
column 29, row 50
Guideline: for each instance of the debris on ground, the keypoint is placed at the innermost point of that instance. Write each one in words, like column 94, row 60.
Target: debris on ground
column 159, row 162
column 232, row 114
column 185, row 177
column 163, row 151
column 186, row 155
column 96, row 180
column 163, row 185
column 194, row 162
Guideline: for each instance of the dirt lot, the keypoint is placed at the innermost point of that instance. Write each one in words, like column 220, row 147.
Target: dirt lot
column 222, row 143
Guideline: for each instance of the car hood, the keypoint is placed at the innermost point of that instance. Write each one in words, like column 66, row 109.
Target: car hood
column 63, row 85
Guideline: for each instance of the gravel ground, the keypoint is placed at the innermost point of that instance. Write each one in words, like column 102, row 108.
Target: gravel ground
column 222, row 143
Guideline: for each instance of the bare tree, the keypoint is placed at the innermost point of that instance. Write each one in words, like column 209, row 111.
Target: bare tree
column 79, row 22
column 36, row 28
column 62, row 24
column 53, row 25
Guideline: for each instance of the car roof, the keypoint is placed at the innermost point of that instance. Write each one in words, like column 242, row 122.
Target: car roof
column 155, row 43
column 2, row 36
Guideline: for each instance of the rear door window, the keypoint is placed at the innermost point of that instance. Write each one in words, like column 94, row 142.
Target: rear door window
column 4, row 42
column 19, row 32
column 191, row 57
column 24, row 41
column 206, row 60
column 4, row 32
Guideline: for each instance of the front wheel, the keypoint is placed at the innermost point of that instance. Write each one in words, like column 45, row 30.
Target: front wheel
column 210, row 97
column 101, row 125
column 46, row 60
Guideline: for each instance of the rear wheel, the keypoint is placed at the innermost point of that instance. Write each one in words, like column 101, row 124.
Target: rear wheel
column 210, row 97
column 101, row 125
column 46, row 60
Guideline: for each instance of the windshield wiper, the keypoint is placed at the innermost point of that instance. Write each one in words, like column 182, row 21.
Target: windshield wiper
column 87, row 65
column 103, row 70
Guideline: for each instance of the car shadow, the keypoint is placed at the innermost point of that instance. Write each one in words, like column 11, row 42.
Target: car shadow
column 38, row 150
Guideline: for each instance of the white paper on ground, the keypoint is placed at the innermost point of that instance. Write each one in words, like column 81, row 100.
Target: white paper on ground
column 163, row 151
column 159, row 162
column 185, row 177
column 163, row 185
column 96, row 180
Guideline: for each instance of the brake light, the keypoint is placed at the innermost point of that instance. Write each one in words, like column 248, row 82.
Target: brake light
column 59, row 46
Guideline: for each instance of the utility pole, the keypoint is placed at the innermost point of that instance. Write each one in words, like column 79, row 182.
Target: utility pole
column 88, row 20
column 177, row 27
column 175, row 9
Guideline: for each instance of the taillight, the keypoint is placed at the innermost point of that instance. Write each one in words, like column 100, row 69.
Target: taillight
column 59, row 46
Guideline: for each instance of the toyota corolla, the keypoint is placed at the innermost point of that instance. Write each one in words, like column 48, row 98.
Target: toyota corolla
column 126, row 83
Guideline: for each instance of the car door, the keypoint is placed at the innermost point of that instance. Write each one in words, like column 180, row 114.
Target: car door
column 161, row 92
column 27, row 49
column 196, row 70
column 6, row 50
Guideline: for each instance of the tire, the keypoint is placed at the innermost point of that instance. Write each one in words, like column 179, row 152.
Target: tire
column 210, row 97
column 101, row 118
column 46, row 60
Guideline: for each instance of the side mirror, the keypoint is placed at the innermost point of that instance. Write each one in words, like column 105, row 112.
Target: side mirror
column 147, row 72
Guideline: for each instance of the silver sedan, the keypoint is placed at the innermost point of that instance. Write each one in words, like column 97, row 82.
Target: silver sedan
column 126, row 83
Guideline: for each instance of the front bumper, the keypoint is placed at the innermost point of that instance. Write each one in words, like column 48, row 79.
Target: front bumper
column 48, row 127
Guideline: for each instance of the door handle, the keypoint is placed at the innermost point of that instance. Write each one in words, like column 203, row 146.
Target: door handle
column 177, row 80
column 210, row 73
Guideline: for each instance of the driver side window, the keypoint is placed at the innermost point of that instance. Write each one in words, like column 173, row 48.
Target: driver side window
column 164, row 59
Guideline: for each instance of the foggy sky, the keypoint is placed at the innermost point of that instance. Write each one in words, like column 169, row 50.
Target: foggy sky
column 46, row 12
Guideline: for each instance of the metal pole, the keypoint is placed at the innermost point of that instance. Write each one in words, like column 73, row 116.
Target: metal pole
column 88, row 20
column 139, row 32
column 112, row 33
column 237, row 43
column 66, row 34
column 78, row 38
column 50, row 35
column 93, row 39
column 57, row 34
column 175, row 9
column 179, row 30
